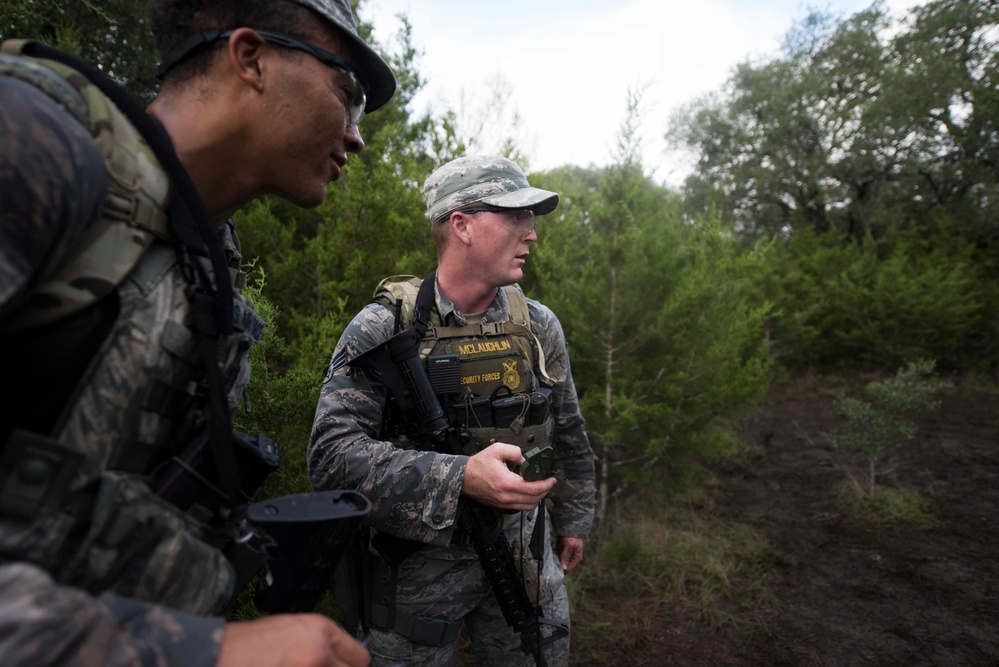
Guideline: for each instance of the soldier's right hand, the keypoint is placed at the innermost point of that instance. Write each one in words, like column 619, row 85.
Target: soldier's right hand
column 290, row 640
column 489, row 480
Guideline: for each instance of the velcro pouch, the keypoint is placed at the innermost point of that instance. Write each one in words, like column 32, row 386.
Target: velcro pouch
column 140, row 546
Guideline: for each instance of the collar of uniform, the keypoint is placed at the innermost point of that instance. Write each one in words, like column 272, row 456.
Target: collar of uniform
column 451, row 316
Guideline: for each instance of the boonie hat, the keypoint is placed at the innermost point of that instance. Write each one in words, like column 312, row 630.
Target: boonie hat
column 375, row 72
column 490, row 179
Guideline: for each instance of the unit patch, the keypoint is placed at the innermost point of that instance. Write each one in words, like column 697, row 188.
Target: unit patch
column 511, row 378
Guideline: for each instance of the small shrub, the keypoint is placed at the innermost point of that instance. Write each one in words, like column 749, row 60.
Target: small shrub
column 877, row 428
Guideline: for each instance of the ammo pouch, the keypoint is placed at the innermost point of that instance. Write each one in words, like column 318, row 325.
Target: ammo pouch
column 139, row 545
column 118, row 536
column 368, row 576
column 522, row 419
column 527, row 438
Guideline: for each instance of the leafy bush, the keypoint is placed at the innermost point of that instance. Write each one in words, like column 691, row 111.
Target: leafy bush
column 878, row 428
column 914, row 294
column 664, row 320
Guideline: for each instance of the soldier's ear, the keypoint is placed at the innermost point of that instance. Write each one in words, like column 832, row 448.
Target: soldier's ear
column 460, row 227
column 245, row 57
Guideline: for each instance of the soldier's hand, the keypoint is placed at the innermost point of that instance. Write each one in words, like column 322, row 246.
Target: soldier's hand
column 569, row 551
column 290, row 640
column 489, row 480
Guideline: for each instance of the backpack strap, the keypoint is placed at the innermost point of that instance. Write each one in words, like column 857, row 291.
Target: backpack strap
column 199, row 251
column 134, row 212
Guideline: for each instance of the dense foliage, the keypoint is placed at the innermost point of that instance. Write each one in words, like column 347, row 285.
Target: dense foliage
column 110, row 34
column 665, row 330
column 870, row 146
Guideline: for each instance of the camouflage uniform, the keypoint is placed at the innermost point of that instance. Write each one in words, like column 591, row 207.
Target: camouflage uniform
column 109, row 535
column 415, row 494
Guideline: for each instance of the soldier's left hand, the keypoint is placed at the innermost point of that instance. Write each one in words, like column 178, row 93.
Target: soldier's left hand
column 569, row 551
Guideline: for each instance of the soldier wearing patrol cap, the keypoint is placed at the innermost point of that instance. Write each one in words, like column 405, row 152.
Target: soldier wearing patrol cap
column 119, row 301
column 421, row 580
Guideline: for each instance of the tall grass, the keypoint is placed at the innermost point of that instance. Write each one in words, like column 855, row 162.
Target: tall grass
column 660, row 555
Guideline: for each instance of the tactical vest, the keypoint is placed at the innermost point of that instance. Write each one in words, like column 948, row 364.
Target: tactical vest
column 73, row 497
column 505, row 394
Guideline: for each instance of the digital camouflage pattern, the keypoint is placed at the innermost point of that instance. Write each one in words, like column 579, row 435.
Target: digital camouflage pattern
column 490, row 179
column 45, row 624
column 150, row 341
column 44, row 79
column 415, row 494
column 131, row 546
column 433, row 583
column 30, row 175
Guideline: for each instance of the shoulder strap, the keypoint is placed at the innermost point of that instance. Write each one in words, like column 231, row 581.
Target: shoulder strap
column 520, row 316
column 516, row 304
column 135, row 200
column 399, row 292
column 199, row 251
column 424, row 304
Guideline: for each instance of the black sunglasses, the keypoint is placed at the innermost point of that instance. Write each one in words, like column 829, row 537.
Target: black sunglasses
column 201, row 40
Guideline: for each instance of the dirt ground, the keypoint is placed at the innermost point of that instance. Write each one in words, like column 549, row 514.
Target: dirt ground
column 845, row 594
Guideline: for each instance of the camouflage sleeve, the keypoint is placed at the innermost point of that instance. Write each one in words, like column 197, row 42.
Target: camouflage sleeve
column 52, row 184
column 414, row 494
column 572, row 517
column 42, row 623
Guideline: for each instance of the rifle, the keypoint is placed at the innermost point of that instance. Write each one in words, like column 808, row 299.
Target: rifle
column 396, row 364
column 304, row 536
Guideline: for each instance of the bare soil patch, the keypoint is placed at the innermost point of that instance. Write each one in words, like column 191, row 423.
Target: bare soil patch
column 843, row 592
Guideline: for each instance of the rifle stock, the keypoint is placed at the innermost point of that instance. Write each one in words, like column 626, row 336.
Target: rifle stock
column 311, row 531
column 306, row 533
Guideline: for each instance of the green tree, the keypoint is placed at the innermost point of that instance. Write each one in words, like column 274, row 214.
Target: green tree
column 868, row 147
column 859, row 126
column 111, row 34
column 921, row 292
column 878, row 428
column 665, row 328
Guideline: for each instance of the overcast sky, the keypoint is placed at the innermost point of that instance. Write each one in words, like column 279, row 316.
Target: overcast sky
column 568, row 64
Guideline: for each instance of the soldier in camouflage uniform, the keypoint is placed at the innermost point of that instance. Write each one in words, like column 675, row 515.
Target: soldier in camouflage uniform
column 483, row 214
column 96, row 329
